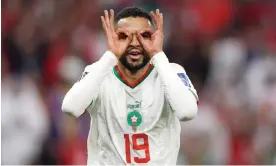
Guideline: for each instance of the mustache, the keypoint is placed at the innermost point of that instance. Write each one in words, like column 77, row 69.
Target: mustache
column 138, row 48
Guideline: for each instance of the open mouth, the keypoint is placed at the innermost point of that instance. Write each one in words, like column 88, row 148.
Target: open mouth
column 135, row 54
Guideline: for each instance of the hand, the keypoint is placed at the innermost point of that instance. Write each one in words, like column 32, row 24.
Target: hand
column 154, row 44
column 114, row 44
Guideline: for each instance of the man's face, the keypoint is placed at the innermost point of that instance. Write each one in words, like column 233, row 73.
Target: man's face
column 135, row 57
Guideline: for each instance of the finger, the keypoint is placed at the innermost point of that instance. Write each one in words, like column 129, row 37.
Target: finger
column 140, row 39
column 143, row 42
column 107, row 19
column 161, row 22
column 158, row 18
column 112, row 20
column 122, row 30
column 149, row 30
column 129, row 39
column 154, row 17
column 157, row 12
column 104, row 24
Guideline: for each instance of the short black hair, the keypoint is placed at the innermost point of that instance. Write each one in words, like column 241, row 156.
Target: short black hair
column 133, row 11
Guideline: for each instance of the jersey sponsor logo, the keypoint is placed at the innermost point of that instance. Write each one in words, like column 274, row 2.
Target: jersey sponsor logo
column 134, row 106
column 83, row 75
column 184, row 79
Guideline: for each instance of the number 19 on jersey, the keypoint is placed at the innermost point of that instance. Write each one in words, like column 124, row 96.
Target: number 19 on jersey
column 135, row 146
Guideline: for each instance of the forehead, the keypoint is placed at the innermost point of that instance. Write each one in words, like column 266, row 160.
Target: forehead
column 134, row 23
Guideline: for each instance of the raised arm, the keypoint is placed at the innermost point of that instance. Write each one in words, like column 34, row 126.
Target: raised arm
column 86, row 90
column 179, row 90
column 181, row 95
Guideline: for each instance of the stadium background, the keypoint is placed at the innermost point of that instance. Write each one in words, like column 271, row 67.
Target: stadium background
column 228, row 48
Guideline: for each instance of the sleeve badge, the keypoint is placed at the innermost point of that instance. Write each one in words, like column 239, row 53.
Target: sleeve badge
column 184, row 79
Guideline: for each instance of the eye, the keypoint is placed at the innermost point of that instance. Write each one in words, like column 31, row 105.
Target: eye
column 146, row 35
column 122, row 36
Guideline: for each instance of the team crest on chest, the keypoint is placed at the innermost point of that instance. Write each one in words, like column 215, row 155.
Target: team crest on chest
column 134, row 117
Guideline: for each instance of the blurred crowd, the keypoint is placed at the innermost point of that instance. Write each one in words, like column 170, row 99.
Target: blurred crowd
column 227, row 47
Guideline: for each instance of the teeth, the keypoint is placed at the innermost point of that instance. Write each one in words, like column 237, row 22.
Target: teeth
column 135, row 53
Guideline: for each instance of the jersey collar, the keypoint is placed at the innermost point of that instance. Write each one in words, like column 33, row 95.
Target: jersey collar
column 123, row 79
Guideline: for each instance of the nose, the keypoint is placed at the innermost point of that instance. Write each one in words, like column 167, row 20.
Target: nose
column 134, row 42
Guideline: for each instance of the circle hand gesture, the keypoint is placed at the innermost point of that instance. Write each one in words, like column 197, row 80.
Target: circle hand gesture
column 114, row 44
column 154, row 44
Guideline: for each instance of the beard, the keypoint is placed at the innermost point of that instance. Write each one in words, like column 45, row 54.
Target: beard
column 134, row 67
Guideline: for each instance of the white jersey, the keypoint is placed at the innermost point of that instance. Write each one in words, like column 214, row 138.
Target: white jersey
column 134, row 123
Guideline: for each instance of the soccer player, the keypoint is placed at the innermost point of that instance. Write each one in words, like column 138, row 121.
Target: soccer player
column 135, row 96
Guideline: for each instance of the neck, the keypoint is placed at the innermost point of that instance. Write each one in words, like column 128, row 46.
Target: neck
column 132, row 76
